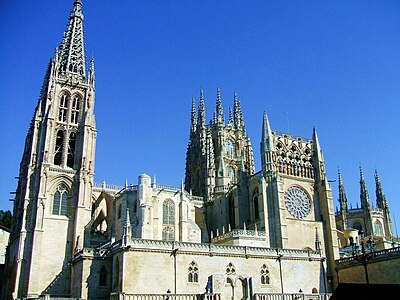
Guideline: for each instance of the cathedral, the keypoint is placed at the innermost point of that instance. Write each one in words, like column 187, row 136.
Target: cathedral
column 229, row 231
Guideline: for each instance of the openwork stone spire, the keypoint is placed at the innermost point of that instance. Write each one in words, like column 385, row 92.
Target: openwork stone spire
column 380, row 196
column 72, row 50
column 201, row 120
column 219, row 110
column 364, row 195
column 342, row 195
column 193, row 117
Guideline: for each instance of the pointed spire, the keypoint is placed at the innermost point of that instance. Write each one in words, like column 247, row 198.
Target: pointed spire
column 267, row 142
column 380, row 196
column 72, row 50
column 236, row 111
column 126, row 234
column 91, row 76
column 201, row 119
column 210, row 153
column 317, row 147
column 267, row 146
column 364, row 195
column 193, row 117
column 219, row 110
column 230, row 116
column 342, row 195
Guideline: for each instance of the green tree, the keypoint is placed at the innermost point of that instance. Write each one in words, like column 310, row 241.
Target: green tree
column 5, row 218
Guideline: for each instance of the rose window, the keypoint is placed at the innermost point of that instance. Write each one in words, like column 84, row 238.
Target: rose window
column 297, row 202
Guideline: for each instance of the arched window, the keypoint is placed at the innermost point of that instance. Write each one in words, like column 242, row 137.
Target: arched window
column 230, row 269
column 60, row 201
column 264, row 275
column 168, row 220
column 193, row 272
column 59, row 148
column 62, row 112
column 71, row 150
column 231, row 174
column 75, row 109
column 103, row 276
column 229, row 149
column 378, row 228
column 255, row 205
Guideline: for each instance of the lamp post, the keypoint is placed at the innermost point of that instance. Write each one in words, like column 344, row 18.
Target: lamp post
column 365, row 256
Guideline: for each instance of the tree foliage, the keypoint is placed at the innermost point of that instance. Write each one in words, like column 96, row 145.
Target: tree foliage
column 5, row 218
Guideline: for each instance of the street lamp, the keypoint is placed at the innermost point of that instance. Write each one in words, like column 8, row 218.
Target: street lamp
column 364, row 257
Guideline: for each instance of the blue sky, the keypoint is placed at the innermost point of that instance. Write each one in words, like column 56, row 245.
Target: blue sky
column 329, row 64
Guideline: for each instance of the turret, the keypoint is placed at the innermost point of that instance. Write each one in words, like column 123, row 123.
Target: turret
column 365, row 204
column 342, row 202
column 381, row 203
column 364, row 195
column 201, row 119
column 220, row 119
column 267, row 147
column 193, row 118
column 319, row 164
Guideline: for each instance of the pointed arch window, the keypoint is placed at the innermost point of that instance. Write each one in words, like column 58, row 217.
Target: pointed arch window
column 193, row 272
column 378, row 228
column 255, row 205
column 75, row 109
column 60, row 201
column 264, row 275
column 71, row 149
column 168, row 212
column 63, row 108
column 103, row 276
column 229, row 149
column 168, row 232
column 59, row 148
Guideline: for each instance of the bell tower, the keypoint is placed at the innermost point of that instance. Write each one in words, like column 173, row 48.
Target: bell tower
column 53, row 197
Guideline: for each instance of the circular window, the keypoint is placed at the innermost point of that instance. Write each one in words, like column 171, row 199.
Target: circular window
column 297, row 202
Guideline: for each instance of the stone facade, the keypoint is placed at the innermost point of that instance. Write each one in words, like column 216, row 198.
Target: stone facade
column 227, row 230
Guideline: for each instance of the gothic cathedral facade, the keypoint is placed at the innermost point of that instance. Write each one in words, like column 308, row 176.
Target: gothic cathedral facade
column 227, row 230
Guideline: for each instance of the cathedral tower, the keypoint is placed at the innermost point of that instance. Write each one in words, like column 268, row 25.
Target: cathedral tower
column 53, row 196
column 219, row 157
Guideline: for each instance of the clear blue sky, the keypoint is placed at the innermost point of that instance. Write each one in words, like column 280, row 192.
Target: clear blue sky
column 334, row 65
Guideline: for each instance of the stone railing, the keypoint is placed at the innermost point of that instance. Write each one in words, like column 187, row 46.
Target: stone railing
column 49, row 297
column 124, row 296
column 239, row 233
column 294, row 296
column 166, row 187
column 382, row 254
column 107, row 186
column 291, row 136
